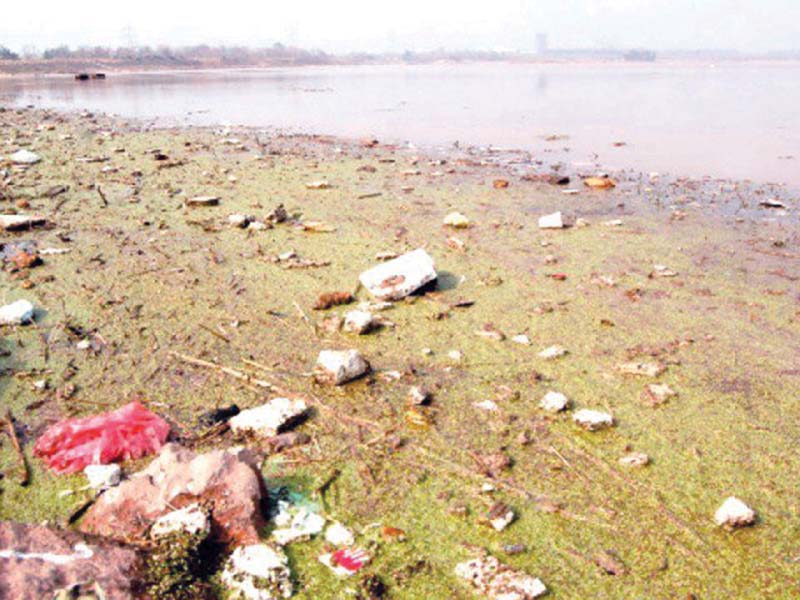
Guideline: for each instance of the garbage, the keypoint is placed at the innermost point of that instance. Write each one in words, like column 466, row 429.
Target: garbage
column 554, row 402
column 25, row 157
column 18, row 222
column 321, row 184
column 16, row 313
column 269, row 419
column 643, row 369
column 600, row 183
column 127, row 433
column 734, row 513
column 338, row 367
column 500, row 516
column 359, row 321
column 398, row 278
column 553, row 221
column 656, row 394
column 295, row 523
column 103, row 476
column 35, row 561
column 553, row 352
column 347, row 561
column 191, row 519
column 635, row 459
column 456, row 220
column 203, row 201
column 228, row 482
column 593, row 420
column 496, row 581
column 258, row 572
column 339, row 535
column 331, row 299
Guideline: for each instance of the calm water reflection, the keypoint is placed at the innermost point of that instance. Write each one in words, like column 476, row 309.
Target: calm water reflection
column 738, row 121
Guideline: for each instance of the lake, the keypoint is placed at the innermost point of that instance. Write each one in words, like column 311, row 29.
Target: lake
column 737, row 121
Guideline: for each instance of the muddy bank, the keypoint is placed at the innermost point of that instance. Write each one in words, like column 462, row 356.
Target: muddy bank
column 692, row 276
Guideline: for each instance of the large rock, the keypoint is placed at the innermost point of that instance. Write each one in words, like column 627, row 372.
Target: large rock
column 227, row 481
column 396, row 279
column 37, row 561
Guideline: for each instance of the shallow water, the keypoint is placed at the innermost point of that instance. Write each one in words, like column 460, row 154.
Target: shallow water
column 735, row 121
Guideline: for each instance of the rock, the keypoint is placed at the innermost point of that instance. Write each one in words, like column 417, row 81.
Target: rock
column 553, row 221
column 103, row 476
column 522, row 339
column 227, row 482
column 613, row 223
column 418, row 396
column 25, row 157
column 318, row 185
column 456, row 355
column 191, row 519
column 277, row 214
column 398, row 278
column 339, row 535
column 734, row 513
column 554, row 402
column 500, row 516
column 238, row 220
column 635, row 459
column 203, row 201
column 359, row 321
column 16, row 313
column 35, row 561
column 662, row 271
column 600, row 183
column 338, row 367
column 258, row 572
column 552, row 352
column 593, row 420
column 268, row 419
column 17, row 222
column 657, row 394
column 456, row 220
column 581, row 223
column 496, row 581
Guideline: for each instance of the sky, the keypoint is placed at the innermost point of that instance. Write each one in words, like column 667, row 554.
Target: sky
column 381, row 25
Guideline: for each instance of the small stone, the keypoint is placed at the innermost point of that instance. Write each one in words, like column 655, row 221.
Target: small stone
column 103, row 476
column 321, row 184
column 17, row 222
column 456, row 220
column 552, row 352
column 191, row 519
column 613, row 223
column 258, row 572
column 296, row 524
column 418, row 396
column 339, row 367
column 522, row 339
column 203, row 201
column 16, row 313
column 635, row 459
column 347, row 561
column 25, row 157
column 257, row 226
column 359, row 321
column 657, row 394
column 553, row 221
column 500, row 516
column 496, row 581
column 554, row 402
column 339, row 535
column 642, row 369
column 593, row 420
column 398, row 278
column 581, row 223
column 487, row 405
column 269, row 419
column 238, row 220
column 456, row 355
column 734, row 513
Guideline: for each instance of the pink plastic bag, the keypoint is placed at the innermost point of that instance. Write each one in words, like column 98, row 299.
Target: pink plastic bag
column 128, row 432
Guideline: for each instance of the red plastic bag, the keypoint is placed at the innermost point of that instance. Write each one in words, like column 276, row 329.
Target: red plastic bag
column 128, row 432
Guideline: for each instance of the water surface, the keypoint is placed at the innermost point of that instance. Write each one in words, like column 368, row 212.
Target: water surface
column 736, row 121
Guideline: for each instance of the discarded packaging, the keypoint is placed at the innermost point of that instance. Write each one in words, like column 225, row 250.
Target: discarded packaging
column 126, row 433
column 347, row 561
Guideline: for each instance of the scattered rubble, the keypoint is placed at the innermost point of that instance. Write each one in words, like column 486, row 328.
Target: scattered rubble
column 269, row 419
column 338, row 367
column 398, row 278
column 734, row 513
column 496, row 581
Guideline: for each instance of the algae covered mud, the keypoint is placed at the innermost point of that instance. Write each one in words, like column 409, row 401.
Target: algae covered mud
column 670, row 306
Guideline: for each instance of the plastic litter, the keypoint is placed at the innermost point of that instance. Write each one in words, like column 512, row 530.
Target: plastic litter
column 128, row 432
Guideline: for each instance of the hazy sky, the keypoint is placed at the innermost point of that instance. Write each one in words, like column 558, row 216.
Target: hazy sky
column 380, row 25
